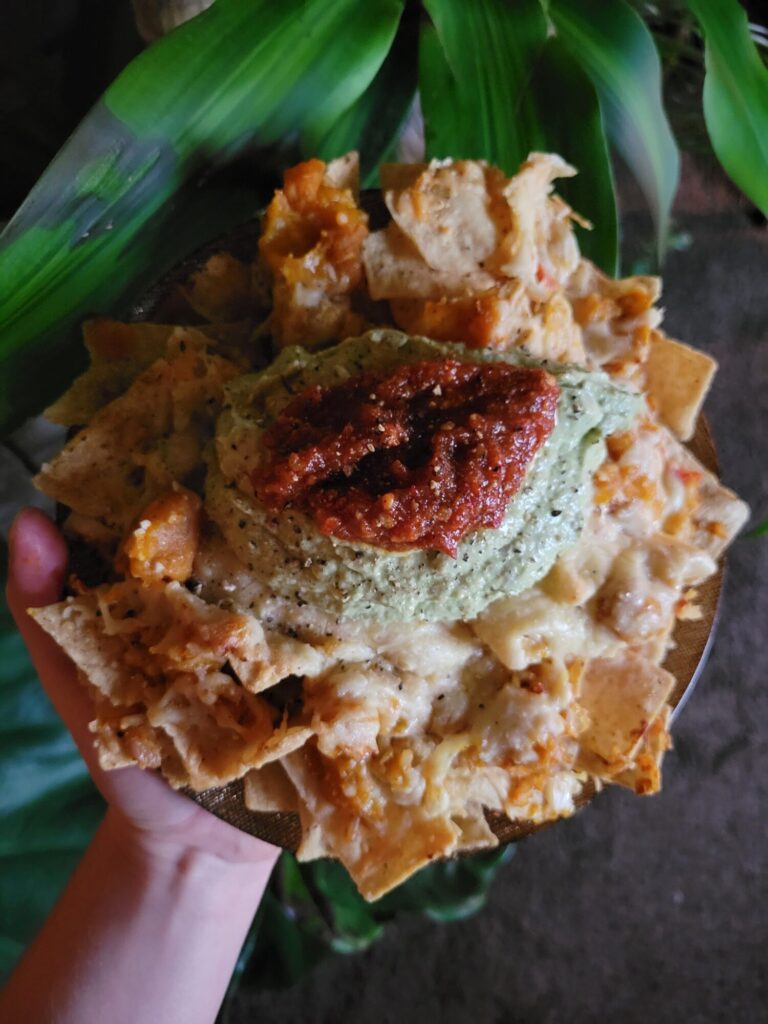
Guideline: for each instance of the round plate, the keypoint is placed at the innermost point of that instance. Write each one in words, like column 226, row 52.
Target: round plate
column 692, row 638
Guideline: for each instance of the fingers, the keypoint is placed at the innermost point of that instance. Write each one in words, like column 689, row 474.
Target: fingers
column 38, row 559
column 36, row 573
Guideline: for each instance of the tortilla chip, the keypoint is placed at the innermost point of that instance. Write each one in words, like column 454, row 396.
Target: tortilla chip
column 310, row 318
column 501, row 318
column 630, row 295
column 270, row 789
column 379, row 852
column 622, row 696
column 399, row 176
column 407, row 843
column 538, row 246
column 157, row 660
column 446, row 214
column 529, row 628
column 719, row 517
column 312, row 845
column 283, row 741
column 678, row 378
column 396, row 270
column 644, row 777
column 121, row 351
column 720, row 514
column 476, row 833
column 344, row 172
column 486, row 786
column 312, row 242
column 221, row 289
column 135, row 448
column 241, row 342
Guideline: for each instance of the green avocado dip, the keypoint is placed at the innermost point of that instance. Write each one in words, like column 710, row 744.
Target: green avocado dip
column 288, row 554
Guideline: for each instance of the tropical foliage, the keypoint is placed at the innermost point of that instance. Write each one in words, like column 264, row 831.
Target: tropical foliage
column 123, row 199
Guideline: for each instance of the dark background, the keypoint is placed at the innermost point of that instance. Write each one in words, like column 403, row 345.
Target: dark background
column 636, row 910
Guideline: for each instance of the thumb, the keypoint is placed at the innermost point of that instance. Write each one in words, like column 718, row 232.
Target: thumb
column 36, row 572
column 37, row 567
column 38, row 560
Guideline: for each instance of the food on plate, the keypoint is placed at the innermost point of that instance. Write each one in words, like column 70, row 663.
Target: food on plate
column 342, row 547
column 394, row 525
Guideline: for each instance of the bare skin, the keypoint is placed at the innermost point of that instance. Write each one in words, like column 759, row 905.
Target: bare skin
column 152, row 920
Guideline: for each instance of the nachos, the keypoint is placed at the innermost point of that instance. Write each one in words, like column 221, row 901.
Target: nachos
column 394, row 525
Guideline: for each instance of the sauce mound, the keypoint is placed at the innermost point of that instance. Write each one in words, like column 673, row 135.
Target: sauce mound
column 414, row 458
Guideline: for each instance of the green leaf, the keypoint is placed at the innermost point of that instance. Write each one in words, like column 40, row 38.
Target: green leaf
column 735, row 96
column 372, row 124
column 494, row 87
column 245, row 71
column 313, row 910
column 450, row 890
column 571, row 124
column 49, row 808
column 759, row 531
column 289, row 934
column 614, row 47
column 476, row 61
column 353, row 920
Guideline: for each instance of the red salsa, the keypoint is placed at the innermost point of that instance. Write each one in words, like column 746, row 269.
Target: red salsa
column 414, row 458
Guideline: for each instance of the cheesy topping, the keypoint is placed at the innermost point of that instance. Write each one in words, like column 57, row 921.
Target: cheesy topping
column 393, row 704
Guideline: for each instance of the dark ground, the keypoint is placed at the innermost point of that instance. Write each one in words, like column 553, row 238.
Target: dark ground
column 635, row 911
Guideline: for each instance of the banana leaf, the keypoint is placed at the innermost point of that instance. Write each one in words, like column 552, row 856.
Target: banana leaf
column 571, row 124
column 476, row 61
column 373, row 124
column 614, row 47
column 735, row 96
column 494, row 86
column 245, row 72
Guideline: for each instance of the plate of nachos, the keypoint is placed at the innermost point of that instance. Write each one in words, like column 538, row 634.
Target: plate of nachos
column 389, row 530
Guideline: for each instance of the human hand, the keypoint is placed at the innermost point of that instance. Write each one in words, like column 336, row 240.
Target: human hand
column 151, row 923
column 142, row 805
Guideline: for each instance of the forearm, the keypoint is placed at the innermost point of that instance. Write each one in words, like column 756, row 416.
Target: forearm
column 141, row 934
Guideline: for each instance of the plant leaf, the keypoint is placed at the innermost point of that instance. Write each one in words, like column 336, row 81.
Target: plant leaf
column 49, row 808
column 449, row 890
column 735, row 96
column 313, row 910
column 494, row 87
column 614, row 47
column 476, row 61
column 759, row 531
column 289, row 934
column 372, row 124
column 571, row 124
column 244, row 71
column 353, row 920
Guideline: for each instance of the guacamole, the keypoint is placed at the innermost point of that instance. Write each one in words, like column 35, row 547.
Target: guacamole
column 288, row 554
